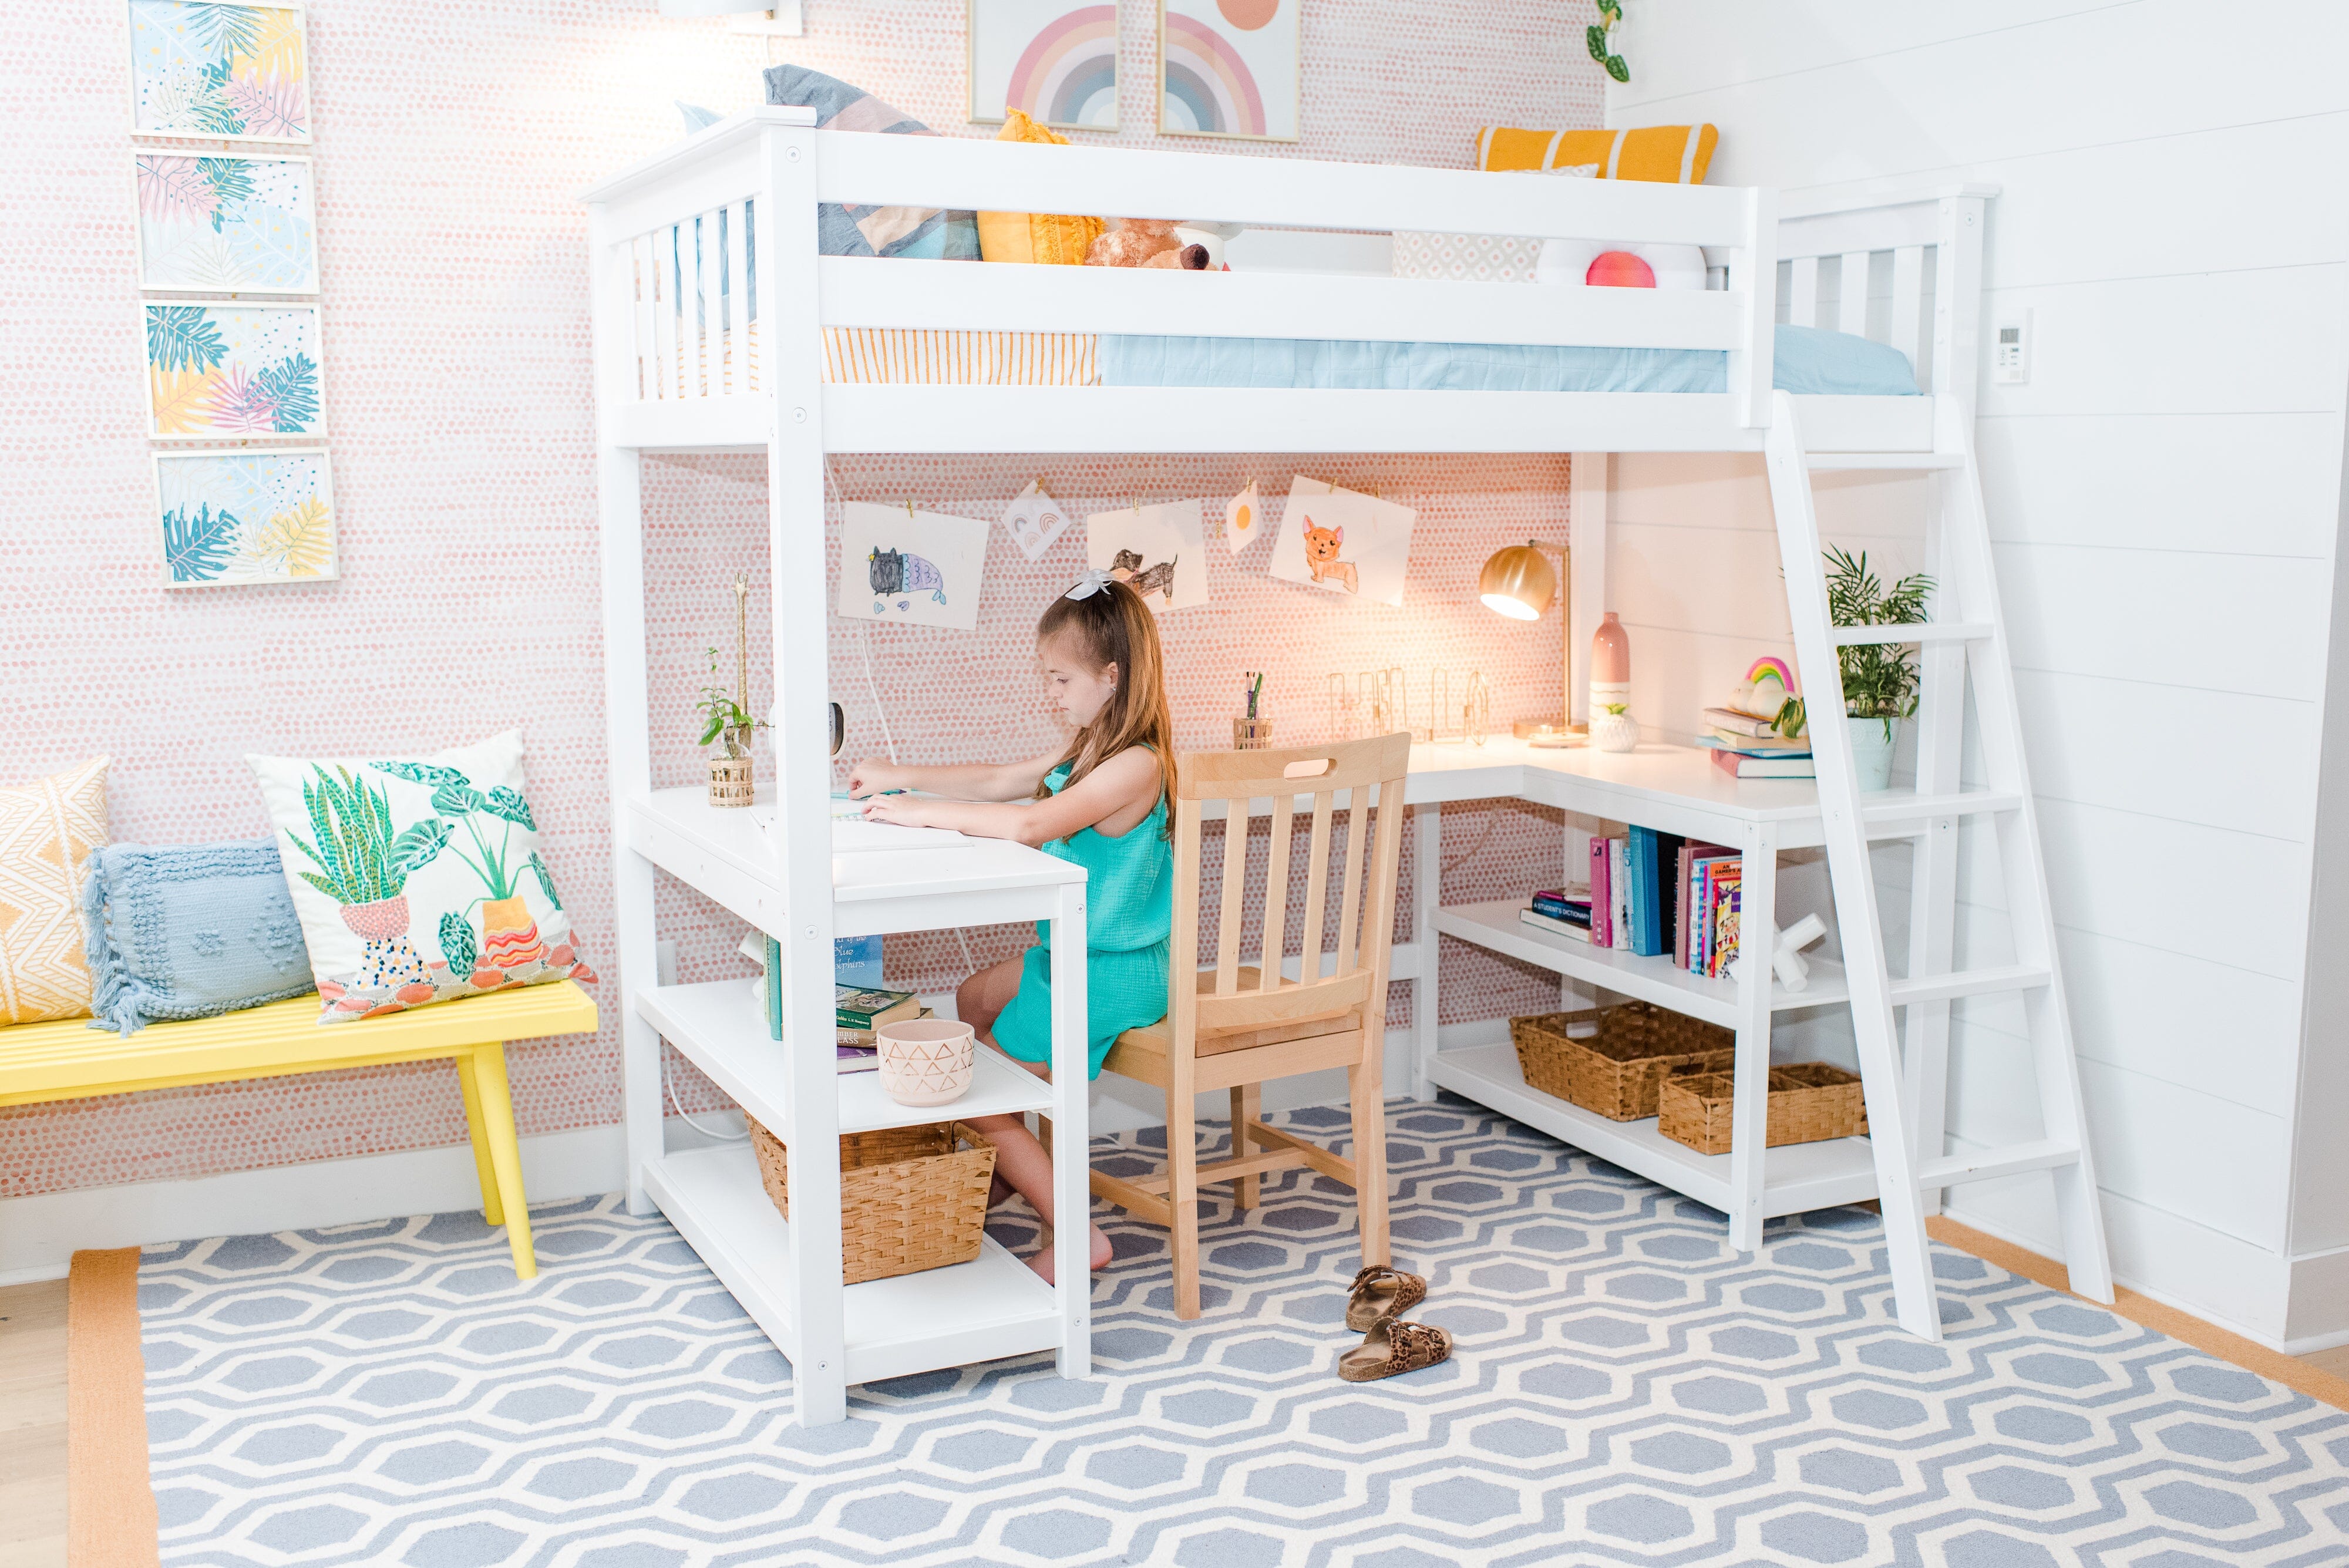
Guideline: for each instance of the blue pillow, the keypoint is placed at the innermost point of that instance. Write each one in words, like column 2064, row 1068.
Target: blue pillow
column 1813, row 361
column 936, row 234
column 189, row 930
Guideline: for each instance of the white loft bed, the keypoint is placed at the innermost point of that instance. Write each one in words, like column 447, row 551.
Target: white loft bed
column 685, row 364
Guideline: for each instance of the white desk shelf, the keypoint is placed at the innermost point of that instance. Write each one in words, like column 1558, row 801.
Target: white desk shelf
column 992, row 1306
column 720, row 1029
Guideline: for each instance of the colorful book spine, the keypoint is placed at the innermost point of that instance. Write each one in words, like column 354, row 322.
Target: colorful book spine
column 1724, row 925
column 774, row 990
column 1602, row 906
column 1618, row 852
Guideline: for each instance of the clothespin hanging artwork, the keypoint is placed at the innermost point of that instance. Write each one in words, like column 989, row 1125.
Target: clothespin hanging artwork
column 1243, row 514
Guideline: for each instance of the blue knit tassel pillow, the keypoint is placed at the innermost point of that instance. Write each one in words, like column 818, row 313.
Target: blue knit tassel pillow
column 189, row 930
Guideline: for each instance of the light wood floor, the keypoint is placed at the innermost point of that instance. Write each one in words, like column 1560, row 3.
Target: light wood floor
column 33, row 1426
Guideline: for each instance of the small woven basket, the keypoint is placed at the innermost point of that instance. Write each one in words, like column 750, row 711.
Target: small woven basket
column 910, row 1198
column 733, row 781
column 1612, row 1060
column 1251, row 734
column 1810, row 1102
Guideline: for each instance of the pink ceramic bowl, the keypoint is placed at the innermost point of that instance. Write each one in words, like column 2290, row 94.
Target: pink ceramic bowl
column 926, row 1061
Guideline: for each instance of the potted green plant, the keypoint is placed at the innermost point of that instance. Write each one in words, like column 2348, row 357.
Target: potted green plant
column 725, row 715
column 1879, row 679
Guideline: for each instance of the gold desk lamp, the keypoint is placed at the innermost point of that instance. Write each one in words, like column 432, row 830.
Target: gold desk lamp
column 1517, row 582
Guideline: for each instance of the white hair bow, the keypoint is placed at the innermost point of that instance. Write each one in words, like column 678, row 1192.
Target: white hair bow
column 1086, row 587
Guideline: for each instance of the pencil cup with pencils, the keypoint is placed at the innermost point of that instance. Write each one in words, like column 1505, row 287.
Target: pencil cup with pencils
column 1252, row 731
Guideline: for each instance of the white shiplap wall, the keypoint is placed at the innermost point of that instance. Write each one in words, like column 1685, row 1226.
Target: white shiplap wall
column 2164, row 497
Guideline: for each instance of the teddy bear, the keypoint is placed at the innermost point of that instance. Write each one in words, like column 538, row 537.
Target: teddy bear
column 1145, row 241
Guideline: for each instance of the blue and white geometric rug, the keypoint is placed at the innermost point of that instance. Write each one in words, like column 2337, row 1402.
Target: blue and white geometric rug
column 1625, row 1389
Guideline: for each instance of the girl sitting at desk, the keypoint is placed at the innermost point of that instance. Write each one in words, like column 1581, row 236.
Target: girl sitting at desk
column 1101, row 801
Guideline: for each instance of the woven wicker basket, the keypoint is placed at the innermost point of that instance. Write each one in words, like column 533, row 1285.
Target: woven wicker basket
column 910, row 1199
column 1612, row 1059
column 1810, row 1102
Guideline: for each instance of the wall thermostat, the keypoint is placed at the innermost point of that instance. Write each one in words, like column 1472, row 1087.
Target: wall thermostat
column 2011, row 350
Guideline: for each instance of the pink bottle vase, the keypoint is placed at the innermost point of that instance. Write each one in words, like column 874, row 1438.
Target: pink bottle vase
column 1611, row 665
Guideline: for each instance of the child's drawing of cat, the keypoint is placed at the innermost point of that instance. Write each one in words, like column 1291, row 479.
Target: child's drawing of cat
column 1126, row 567
column 894, row 571
column 1321, row 547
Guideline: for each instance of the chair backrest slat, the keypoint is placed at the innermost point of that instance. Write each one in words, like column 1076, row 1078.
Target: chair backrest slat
column 1275, row 892
column 1334, row 975
column 1227, row 934
column 1317, row 884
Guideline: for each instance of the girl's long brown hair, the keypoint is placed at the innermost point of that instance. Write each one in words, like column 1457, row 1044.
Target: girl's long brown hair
column 1112, row 625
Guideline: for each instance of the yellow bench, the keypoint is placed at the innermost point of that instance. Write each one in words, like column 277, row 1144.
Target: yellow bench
column 70, row 1061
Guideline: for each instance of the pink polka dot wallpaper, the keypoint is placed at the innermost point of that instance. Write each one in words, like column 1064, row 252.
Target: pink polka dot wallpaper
column 451, row 141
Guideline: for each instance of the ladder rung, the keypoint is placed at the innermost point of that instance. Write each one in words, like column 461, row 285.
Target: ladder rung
column 1883, row 460
column 1908, row 814
column 1967, row 983
column 1912, row 631
column 2046, row 1154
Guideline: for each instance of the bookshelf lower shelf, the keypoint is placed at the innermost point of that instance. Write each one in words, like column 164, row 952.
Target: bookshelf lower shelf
column 1495, row 926
column 991, row 1307
column 1796, row 1176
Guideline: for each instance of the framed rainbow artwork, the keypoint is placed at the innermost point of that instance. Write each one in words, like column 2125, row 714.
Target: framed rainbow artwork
column 1054, row 61
column 1230, row 68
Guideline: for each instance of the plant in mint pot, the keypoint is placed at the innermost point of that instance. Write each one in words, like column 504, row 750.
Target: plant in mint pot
column 1879, row 679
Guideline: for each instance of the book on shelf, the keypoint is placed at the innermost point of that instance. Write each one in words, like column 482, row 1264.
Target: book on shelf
column 1730, row 722
column 1602, row 925
column 1746, row 746
column 1579, row 930
column 856, row 1059
column 1683, row 927
column 867, row 1038
column 1723, row 941
column 1740, row 767
column 869, row 1007
column 1619, row 873
column 1569, row 904
column 1653, row 925
column 1707, row 873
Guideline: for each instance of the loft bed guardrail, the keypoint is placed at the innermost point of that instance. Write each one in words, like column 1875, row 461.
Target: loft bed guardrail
column 699, row 243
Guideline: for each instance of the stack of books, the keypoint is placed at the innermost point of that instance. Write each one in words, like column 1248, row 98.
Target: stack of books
column 1746, row 746
column 1563, row 911
column 1655, row 893
column 858, row 1012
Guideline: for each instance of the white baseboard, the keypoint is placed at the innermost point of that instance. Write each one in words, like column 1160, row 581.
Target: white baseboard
column 2316, row 1314
column 40, row 1234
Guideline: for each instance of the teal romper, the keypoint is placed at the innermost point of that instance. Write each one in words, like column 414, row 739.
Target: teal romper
column 1128, row 909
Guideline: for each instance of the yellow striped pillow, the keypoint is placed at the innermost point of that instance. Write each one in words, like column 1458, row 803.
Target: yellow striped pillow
column 47, row 829
column 1043, row 237
column 1672, row 154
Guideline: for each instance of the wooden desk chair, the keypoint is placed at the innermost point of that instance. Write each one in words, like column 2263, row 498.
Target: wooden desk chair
column 1242, row 1024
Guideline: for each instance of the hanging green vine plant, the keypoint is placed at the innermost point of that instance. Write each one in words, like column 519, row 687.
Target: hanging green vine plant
column 1598, row 35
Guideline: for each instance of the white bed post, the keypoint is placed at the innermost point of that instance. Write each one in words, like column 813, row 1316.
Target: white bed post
column 1427, row 897
column 795, row 560
column 627, row 696
column 1753, row 272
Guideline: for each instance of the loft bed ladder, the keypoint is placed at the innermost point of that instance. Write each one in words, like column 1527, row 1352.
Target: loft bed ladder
column 1963, row 646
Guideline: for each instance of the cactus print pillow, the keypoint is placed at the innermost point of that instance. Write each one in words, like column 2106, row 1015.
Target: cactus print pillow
column 417, row 881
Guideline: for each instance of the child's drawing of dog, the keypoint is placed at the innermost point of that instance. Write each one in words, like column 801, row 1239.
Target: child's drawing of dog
column 1126, row 567
column 1321, row 547
column 894, row 571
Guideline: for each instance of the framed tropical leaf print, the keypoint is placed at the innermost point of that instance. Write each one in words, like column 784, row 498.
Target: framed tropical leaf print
column 226, row 224
column 225, row 73
column 218, row 372
column 230, row 517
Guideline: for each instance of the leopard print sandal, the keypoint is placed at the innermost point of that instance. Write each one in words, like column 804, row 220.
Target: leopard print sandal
column 1379, row 1292
column 1392, row 1347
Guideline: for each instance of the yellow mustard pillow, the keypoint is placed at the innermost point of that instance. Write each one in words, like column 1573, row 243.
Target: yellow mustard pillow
column 1043, row 237
column 47, row 829
column 1672, row 154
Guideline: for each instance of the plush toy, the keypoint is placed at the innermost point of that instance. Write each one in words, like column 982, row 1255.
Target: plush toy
column 1145, row 241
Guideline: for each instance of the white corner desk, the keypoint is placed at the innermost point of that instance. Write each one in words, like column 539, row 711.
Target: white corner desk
column 1679, row 790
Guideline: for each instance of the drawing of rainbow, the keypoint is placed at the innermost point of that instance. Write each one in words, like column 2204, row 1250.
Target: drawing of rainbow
column 1770, row 664
column 1206, row 86
column 1067, row 73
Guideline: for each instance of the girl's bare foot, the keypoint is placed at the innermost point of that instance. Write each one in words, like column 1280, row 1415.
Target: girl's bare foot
column 1041, row 1259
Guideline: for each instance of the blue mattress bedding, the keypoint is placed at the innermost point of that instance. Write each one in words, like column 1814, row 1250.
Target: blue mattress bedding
column 1808, row 360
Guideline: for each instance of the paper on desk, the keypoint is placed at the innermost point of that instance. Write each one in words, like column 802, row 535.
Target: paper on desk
column 854, row 834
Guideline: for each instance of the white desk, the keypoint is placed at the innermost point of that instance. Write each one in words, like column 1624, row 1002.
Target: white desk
column 1679, row 790
column 993, row 1306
